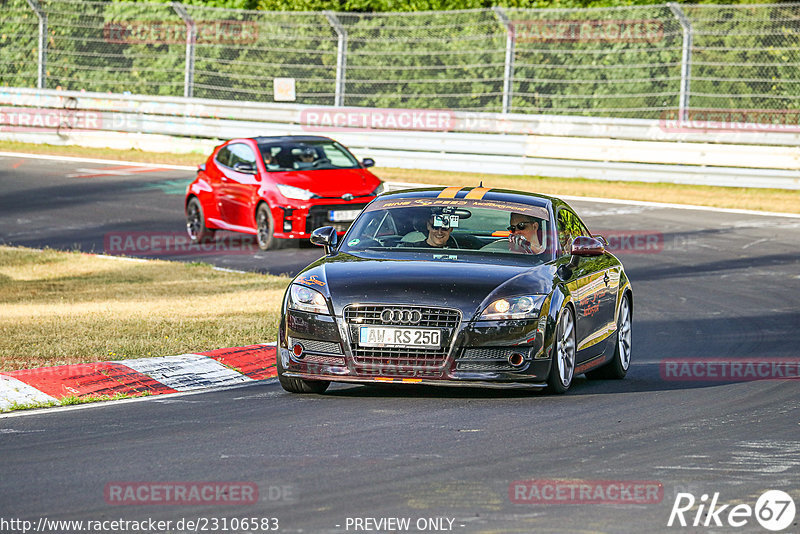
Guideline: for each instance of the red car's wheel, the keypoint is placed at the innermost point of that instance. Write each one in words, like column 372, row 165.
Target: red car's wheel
column 266, row 230
column 196, row 223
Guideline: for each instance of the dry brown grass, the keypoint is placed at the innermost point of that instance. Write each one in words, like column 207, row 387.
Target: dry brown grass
column 104, row 153
column 64, row 307
column 721, row 197
column 778, row 200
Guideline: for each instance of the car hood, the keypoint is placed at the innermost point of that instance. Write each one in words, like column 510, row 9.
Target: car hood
column 465, row 285
column 331, row 183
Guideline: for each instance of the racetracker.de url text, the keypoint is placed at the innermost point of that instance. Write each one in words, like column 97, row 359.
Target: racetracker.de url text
column 45, row 525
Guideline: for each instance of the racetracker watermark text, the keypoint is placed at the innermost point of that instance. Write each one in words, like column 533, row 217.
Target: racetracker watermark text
column 157, row 244
column 633, row 241
column 729, row 369
column 238, row 32
column 543, row 491
column 339, row 119
column 588, row 31
column 731, row 120
column 181, row 493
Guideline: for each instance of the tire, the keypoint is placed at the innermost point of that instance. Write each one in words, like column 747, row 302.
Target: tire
column 562, row 367
column 298, row 385
column 266, row 230
column 618, row 366
column 196, row 223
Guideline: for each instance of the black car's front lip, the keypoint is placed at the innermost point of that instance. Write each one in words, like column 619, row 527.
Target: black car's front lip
column 476, row 381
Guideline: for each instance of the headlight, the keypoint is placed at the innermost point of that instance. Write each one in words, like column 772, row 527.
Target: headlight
column 523, row 307
column 379, row 190
column 295, row 192
column 307, row 299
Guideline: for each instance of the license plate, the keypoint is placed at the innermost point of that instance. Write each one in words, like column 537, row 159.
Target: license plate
column 390, row 336
column 343, row 215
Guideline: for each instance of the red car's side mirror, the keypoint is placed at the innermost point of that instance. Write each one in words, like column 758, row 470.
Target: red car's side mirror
column 246, row 168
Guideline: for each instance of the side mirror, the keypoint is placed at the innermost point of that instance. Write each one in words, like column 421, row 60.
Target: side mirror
column 368, row 162
column 245, row 168
column 325, row 237
column 585, row 246
column 582, row 247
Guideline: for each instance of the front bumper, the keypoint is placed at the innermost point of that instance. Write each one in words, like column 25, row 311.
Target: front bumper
column 298, row 220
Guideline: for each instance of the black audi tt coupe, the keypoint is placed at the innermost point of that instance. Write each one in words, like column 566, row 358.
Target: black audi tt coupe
column 457, row 286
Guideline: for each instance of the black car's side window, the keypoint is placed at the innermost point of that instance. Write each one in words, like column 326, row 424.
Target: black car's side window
column 241, row 153
column 569, row 227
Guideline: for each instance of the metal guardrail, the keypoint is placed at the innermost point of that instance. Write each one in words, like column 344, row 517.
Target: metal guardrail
column 718, row 153
column 714, row 127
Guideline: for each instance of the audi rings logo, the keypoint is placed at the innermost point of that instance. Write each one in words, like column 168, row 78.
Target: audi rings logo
column 395, row 316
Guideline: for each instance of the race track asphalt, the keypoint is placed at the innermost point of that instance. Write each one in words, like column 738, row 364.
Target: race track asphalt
column 711, row 285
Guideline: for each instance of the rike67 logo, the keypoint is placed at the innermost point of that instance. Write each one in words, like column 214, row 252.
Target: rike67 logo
column 774, row 511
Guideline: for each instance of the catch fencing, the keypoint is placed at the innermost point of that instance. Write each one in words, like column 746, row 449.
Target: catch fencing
column 662, row 61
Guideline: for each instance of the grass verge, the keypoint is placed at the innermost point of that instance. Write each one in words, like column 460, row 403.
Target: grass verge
column 70, row 401
column 745, row 198
column 104, row 153
column 777, row 200
column 67, row 307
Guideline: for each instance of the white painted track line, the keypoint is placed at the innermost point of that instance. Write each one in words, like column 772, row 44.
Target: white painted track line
column 565, row 197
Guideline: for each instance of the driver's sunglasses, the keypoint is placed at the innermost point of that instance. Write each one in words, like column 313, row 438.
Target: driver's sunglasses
column 519, row 226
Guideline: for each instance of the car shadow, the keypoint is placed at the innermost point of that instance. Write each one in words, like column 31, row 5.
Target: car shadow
column 641, row 378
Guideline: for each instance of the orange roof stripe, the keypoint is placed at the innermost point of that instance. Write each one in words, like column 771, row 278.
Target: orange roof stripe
column 478, row 193
column 449, row 192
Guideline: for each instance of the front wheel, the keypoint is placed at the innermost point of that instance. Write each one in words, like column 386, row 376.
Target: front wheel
column 618, row 366
column 196, row 223
column 298, row 385
column 266, row 230
column 562, row 367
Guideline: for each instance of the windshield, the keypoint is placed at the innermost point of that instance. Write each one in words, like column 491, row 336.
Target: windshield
column 434, row 225
column 306, row 155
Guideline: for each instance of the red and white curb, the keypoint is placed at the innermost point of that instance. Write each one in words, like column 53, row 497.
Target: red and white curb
column 153, row 376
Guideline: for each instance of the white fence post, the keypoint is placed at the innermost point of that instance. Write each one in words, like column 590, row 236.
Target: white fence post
column 686, row 61
column 41, row 78
column 191, row 39
column 341, row 57
column 508, row 69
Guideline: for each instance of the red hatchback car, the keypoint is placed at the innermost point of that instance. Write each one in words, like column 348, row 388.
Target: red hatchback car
column 279, row 189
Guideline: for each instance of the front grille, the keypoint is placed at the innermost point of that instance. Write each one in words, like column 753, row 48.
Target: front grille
column 312, row 345
column 483, row 366
column 318, row 217
column 401, row 361
column 489, row 353
column 323, row 360
column 431, row 317
column 488, row 359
